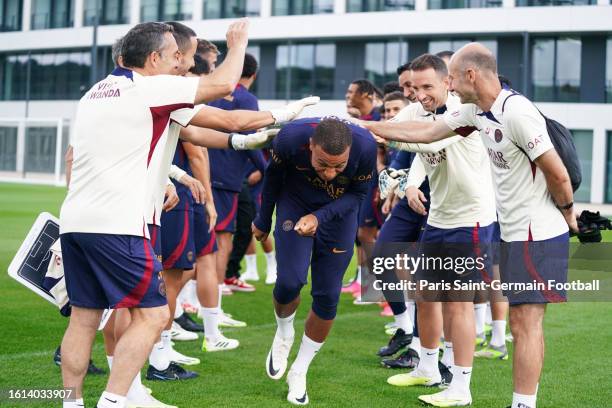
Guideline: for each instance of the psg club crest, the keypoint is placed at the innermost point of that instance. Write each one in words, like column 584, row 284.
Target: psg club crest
column 287, row 225
column 498, row 135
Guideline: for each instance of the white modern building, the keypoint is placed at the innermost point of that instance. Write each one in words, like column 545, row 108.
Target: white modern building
column 558, row 52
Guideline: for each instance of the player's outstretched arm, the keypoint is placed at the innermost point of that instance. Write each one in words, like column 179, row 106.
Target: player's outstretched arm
column 411, row 131
column 223, row 80
column 218, row 140
column 242, row 120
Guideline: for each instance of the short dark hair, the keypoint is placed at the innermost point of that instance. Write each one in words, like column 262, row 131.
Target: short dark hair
column 182, row 35
column 391, row 87
column 427, row 61
column 396, row 96
column 200, row 66
column 445, row 54
column 333, row 135
column 116, row 50
column 504, row 81
column 141, row 41
column 403, row 68
column 365, row 87
column 205, row 46
column 250, row 66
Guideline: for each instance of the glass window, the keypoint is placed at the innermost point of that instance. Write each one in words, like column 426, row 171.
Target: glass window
column 14, row 77
column 40, row 149
column 609, row 71
column 149, row 10
column 165, row 10
column 52, row 14
column 10, row 15
column 294, row 7
column 110, row 12
column 177, row 10
column 583, row 139
column 382, row 60
column 230, row 8
column 8, row 148
column 609, row 170
column 305, row 69
column 353, row 6
column 454, row 44
column 556, row 69
column 53, row 76
column 453, row 4
column 528, row 3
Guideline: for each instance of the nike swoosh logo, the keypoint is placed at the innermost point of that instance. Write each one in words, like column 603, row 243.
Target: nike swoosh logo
column 301, row 168
column 469, row 372
column 301, row 400
column 271, row 369
column 110, row 400
column 338, row 251
column 431, row 354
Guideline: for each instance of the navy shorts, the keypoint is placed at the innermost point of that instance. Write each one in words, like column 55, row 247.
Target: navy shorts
column 465, row 256
column 178, row 245
column 401, row 228
column 155, row 238
column 111, row 271
column 495, row 243
column 328, row 254
column 403, row 225
column 370, row 214
column 531, row 262
column 226, row 203
column 256, row 192
column 205, row 242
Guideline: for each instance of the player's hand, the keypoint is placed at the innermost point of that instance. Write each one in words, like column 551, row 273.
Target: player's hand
column 171, row 198
column 238, row 34
column 292, row 109
column 254, row 141
column 254, row 178
column 209, row 205
column 307, row 225
column 353, row 112
column 416, row 198
column 258, row 234
column 387, row 205
column 197, row 189
column 572, row 220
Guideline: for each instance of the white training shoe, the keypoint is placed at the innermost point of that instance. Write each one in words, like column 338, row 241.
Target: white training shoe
column 447, row 398
column 270, row 276
column 297, row 388
column 227, row 321
column 147, row 402
column 221, row 343
column 179, row 358
column 178, row 334
column 250, row 275
column 276, row 362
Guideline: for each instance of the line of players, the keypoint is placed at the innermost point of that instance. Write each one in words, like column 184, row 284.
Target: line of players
column 321, row 181
column 440, row 168
column 120, row 163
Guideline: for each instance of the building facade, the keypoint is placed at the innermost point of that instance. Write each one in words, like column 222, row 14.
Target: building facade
column 558, row 52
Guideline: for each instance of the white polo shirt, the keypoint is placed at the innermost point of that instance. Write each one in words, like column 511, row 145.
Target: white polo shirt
column 525, row 208
column 458, row 170
column 161, row 161
column 118, row 124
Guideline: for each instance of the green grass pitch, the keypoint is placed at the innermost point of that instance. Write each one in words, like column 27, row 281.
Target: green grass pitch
column 346, row 373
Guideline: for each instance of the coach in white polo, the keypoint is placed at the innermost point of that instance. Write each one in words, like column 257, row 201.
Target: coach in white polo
column 533, row 194
column 107, row 256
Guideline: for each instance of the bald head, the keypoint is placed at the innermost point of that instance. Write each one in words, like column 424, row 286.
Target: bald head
column 475, row 56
